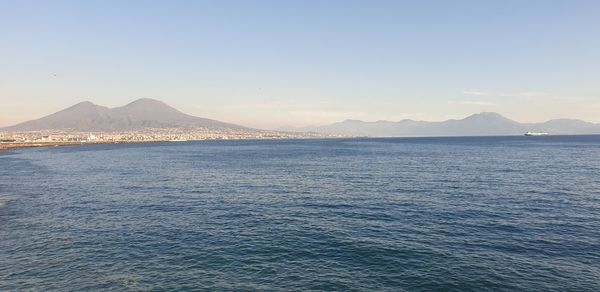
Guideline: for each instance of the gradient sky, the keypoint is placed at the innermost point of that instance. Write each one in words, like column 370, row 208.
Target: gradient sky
column 292, row 63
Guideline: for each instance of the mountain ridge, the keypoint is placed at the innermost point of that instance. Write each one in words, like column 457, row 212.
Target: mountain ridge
column 139, row 114
column 147, row 113
column 479, row 124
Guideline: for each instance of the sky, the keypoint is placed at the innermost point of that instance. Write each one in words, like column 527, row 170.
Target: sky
column 279, row 64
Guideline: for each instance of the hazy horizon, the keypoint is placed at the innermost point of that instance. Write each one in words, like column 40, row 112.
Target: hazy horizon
column 271, row 64
column 303, row 128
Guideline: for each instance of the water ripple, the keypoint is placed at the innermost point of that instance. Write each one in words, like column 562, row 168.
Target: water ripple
column 456, row 214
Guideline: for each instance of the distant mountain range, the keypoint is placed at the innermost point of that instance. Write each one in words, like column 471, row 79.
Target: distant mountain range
column 154, row 114
column 141, row 114
column 482, row 124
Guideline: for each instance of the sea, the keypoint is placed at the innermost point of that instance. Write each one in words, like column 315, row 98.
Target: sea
column 364, row 214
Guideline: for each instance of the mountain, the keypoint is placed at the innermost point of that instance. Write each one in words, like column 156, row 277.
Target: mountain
column 141, row 114
column 149, row 113
column 481, row 124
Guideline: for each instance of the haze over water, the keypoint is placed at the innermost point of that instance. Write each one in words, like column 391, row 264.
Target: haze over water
column 480, row 213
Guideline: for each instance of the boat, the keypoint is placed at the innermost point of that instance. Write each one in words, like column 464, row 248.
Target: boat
column 536, row 134
column 178, row 140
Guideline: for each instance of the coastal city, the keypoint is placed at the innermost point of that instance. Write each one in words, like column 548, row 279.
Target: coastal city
column 64, row 137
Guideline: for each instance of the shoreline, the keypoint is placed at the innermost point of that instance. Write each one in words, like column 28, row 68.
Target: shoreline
column 10, row 146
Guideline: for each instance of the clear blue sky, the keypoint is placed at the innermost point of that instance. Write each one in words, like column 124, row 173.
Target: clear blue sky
column 292, row 63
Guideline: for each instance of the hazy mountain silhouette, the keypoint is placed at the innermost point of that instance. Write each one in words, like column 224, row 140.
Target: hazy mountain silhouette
column 482, row 124
column 140, row 114
column 149, row 113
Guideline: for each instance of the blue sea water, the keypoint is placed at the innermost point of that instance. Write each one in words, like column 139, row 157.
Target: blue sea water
column 405, row 214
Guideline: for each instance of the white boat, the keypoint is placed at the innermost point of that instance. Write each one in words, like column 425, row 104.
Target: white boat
column 536, row 134
column 178, row 140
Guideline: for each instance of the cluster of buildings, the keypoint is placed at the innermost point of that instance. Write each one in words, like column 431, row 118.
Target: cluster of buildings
column 146, row 135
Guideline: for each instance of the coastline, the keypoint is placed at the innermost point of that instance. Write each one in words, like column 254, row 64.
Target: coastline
column 10, row 146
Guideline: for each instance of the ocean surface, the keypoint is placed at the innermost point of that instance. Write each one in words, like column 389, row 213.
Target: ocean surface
column 398, row 214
